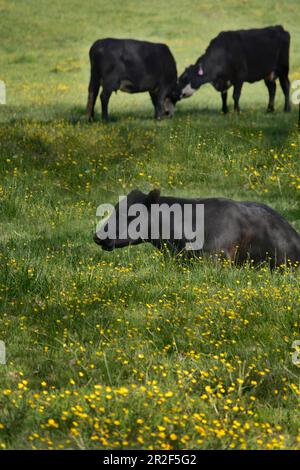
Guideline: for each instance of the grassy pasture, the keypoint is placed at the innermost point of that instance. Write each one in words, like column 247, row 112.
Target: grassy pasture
column 129, row 349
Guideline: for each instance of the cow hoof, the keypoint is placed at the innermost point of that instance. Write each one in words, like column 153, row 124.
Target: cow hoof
column 270, row 110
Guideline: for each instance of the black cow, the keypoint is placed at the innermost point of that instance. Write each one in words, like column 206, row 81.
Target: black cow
column 132, row 66
column 237, row 231
column 235, row 57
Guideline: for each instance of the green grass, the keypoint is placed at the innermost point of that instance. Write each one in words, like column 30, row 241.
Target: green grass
column 129, row 349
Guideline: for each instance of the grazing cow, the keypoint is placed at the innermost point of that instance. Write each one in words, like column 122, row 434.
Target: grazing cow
column 235, row 57
column 238, row 231
column 134, row 67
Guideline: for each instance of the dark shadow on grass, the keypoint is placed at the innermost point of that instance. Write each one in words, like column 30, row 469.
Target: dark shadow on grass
column 77, row 114
column 69, row 114
column 277, row 136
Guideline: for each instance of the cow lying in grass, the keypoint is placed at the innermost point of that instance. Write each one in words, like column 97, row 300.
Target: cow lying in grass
column 237, row 231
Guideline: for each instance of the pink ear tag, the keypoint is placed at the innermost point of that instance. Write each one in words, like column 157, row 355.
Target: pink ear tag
column 200, row 71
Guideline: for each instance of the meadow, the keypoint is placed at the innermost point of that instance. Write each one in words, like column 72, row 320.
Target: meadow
column 131, row 349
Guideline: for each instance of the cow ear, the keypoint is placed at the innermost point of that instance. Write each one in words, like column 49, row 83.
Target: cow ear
column 200, row 71
column 135, row 193
column 153, row 197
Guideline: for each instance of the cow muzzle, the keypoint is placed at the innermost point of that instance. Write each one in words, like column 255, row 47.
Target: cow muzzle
column 187, row 91
column 169, row 107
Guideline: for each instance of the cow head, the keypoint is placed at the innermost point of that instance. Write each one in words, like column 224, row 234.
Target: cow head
column 116, row 232
column 191, row 80
column 171, row 99
column 169, row 107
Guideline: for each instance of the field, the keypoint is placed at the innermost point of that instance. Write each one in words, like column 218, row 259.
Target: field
column 131, row 349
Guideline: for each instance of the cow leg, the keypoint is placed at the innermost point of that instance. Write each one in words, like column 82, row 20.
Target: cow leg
column 94, row 86
column 158, row 103
column 236, row 95
column 104, row 97
column 285, row 85
column 160, row 108
column 153, row 97
column 271, row 85
column 224, row 102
